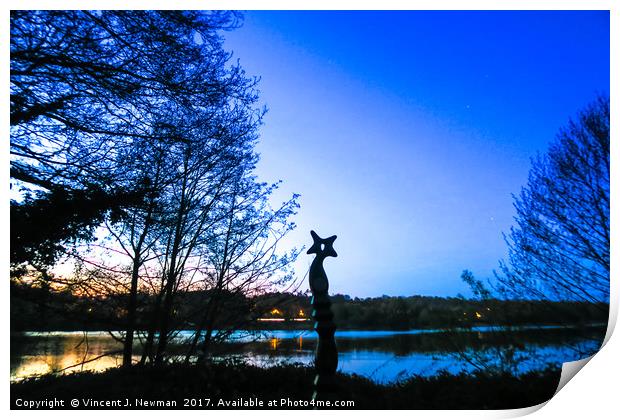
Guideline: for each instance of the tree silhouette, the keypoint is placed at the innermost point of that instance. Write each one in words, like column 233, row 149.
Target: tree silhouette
column 85, row 86
column 559, row 248
column 137, row 122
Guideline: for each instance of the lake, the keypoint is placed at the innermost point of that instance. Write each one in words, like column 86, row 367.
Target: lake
column 383, row 356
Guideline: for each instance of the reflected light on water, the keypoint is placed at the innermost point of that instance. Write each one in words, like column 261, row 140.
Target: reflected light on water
column 68, row 363
column 64, row 353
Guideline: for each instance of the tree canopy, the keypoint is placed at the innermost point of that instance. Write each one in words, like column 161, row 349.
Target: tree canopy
column 86, row 86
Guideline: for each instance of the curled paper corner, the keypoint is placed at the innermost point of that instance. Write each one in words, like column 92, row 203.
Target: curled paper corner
column 611, row 323
column 521, row 412
column 569, row 370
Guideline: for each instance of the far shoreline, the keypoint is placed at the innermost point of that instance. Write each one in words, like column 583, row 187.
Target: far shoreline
column 474, row 328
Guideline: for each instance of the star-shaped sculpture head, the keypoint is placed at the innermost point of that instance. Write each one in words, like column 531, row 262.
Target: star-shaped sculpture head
column 322, row 247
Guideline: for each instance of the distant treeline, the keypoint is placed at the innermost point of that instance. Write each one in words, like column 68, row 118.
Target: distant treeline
column 36, row 309
column 444, row 312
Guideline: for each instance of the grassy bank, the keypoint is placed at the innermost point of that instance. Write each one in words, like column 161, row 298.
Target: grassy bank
column 239, row 383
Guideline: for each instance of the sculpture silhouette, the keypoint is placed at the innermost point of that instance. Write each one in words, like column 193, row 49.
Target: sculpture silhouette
column 326, row 359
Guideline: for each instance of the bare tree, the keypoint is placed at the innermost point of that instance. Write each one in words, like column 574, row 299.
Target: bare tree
column 136, row 234
column 559, row 248
column 242, row 258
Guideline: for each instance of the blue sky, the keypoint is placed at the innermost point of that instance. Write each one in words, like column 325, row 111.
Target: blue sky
column 407, row 132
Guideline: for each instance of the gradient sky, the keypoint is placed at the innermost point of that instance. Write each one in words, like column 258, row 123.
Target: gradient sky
column 407, row 132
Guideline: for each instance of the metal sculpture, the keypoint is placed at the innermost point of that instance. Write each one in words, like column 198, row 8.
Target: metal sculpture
column 326, row 359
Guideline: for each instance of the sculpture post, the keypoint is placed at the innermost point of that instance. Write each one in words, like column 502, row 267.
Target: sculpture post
column 326, row 359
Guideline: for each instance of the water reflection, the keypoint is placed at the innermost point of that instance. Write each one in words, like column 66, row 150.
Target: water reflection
column 384, row 356
column 35, row 355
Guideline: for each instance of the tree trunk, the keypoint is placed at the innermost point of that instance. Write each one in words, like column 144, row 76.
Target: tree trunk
column 131, row 313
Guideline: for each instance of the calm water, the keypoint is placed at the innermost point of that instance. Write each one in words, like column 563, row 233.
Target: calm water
column 383, row 356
